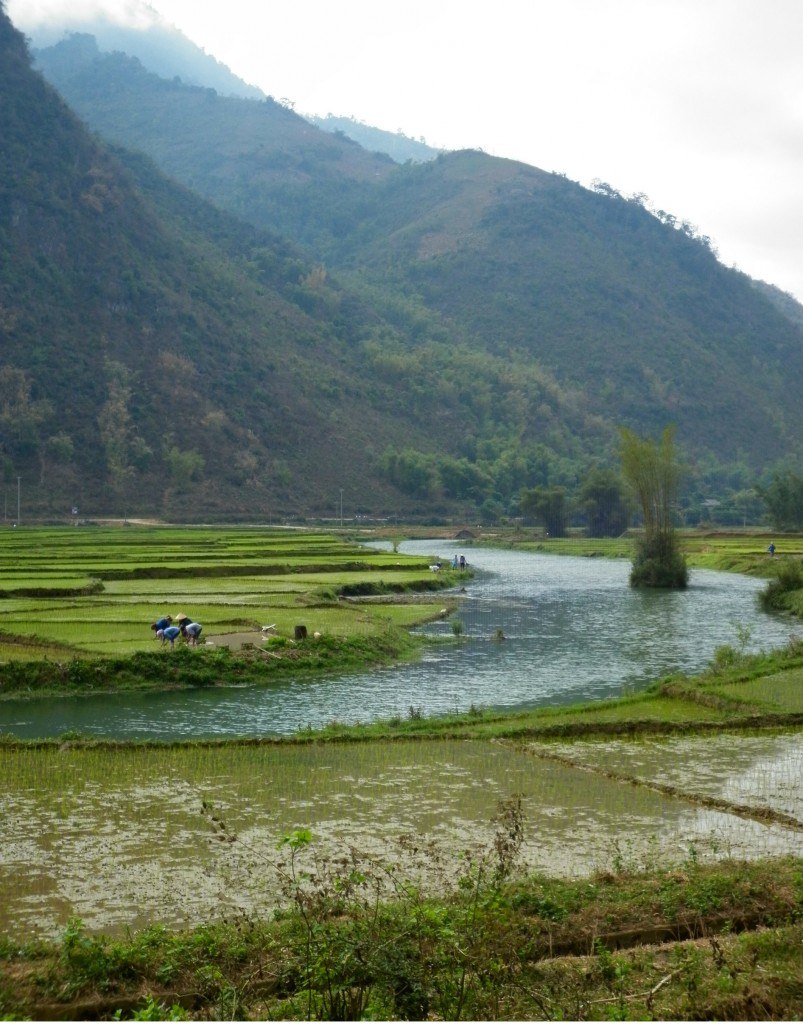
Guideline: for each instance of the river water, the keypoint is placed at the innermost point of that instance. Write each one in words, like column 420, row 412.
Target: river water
column 573, row 631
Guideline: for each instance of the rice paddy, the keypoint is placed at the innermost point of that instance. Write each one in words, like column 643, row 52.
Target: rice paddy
column 94, row 592
column 117, row 837
column 125, row 836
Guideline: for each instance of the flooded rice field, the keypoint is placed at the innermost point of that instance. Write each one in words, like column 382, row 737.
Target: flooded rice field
column 764, row 772
column 118, row 837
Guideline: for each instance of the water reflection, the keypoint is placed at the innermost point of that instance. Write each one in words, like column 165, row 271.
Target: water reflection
column 574, row 630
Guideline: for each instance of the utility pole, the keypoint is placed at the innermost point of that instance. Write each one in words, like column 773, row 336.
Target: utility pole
column 341, row 508
column 18, row 500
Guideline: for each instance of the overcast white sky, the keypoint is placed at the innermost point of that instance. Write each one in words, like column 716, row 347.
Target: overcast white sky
column 697, row 103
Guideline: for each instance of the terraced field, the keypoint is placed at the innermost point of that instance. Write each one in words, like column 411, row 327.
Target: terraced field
column 95, row 592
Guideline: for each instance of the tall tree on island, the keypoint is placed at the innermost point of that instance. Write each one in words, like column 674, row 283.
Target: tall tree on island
column 653, row 473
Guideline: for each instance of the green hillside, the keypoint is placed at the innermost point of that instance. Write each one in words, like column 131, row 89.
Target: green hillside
column 636, row 313
column 428, row 339
column 158, row 356
column 629, row 310
column 257, row 159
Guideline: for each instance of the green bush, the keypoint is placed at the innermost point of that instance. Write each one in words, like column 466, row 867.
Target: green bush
column 789, row 579
column 658, row 563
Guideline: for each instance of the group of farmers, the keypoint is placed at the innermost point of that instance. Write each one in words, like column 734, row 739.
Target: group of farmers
column 167, row 629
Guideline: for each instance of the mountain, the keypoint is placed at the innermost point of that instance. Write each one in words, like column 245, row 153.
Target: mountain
column 609, row 298
column 259, row 160
column 396, row 145
column 159, row 46
column 158, row 355
column 300, row 316
column 628, row 308
column 164, row 50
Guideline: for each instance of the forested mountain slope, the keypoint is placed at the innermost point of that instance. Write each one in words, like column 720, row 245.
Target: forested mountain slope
column 629, row 309
column 158, row 356
column 445, row 334
column 257, row 159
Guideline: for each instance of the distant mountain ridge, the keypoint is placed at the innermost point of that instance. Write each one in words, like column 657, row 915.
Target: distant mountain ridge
column 159, row 46
column 199, row 137
column 396, row 145
column 165, row 51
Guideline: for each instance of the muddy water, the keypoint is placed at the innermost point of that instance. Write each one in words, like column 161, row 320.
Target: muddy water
column 118, row 838
column 764, row 772
column 574, row 630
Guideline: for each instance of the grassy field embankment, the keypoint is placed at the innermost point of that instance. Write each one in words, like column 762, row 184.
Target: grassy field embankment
column 744, row 551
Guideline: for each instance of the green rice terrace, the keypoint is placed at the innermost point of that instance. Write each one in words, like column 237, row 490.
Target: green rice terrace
column 94, row 592
column 635, row 858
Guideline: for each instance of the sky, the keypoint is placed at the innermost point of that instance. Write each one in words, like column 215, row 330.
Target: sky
column 697, row 104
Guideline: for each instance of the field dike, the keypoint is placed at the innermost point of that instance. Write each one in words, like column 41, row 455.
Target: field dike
column 684, row 789
column 699, row 938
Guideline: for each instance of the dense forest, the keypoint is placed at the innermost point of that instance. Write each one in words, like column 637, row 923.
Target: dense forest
column 158, row 355
column 215, row 308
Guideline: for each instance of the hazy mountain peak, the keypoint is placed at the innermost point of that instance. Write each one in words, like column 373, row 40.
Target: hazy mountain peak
column 137, row 29
column 398, row 146
column 48, row 20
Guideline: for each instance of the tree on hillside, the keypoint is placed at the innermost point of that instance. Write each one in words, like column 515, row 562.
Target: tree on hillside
column 114, row 423
column 602, row 500
column 547, row 505
column 183, row 466
column 21, row 415
column 784, row 501
column 462, row 479
column 411, row 471
column 653, row 473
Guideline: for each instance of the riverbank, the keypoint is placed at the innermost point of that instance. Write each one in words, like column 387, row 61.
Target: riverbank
column 742, row 551
column 251, row 664
column 738, row 691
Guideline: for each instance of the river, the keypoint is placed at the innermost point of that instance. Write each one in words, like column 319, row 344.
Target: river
column 573, row 631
